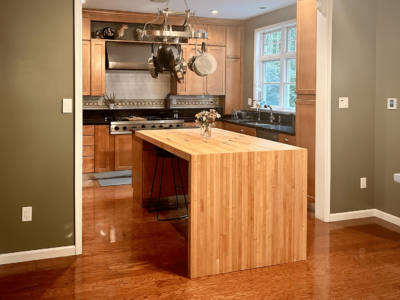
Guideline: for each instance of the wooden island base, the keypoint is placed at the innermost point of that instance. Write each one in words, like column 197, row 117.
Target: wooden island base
column 247, row 198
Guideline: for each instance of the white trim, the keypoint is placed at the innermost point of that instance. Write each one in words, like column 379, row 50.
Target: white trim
column 323, row 114
column 16, row 257
column 78, row 125
column 360, row 214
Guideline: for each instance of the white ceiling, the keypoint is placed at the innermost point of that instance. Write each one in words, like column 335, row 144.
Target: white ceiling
column 227, row 9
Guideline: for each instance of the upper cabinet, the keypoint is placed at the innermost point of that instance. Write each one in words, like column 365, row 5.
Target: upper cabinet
column 86, row 30
column 216, row 81
column 98, row 68
column 233, row 94
column 234, row 42
column 86, row 68
column 216, row 35
column 306, row 47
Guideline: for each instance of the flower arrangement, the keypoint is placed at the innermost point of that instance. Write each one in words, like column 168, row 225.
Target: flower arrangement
column 109, row 99
column 206, row 120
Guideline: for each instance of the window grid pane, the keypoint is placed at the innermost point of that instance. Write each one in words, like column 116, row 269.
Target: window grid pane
column 272, row 71
column 270, row 94
column 272, row 43
column 292, row 32
column 290, row 96
column 291, row 70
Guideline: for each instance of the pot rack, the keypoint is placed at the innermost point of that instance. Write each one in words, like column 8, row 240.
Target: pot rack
column 164, row 33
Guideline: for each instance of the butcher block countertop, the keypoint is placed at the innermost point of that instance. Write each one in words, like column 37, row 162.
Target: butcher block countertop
column 187, row 142
column 247, row 197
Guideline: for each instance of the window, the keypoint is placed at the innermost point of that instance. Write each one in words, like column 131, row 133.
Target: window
column 275, row 66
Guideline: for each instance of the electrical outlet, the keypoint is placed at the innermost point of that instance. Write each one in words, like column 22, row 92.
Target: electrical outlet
column 364, row 183
column 249, row 102
column 26, row 214
column 343, row 102
column 67, row 106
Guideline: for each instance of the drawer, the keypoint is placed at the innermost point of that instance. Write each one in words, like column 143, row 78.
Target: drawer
column 287, row 139
column 190, row 124
column 88, row 141
column 247, row 130
column 88, row 165
column 230, row 127
column 88, row 130
column 88, row 151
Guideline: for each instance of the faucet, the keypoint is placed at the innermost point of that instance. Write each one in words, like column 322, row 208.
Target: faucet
column 271, row 118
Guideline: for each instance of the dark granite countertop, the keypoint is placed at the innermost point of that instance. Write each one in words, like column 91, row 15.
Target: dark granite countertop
column 264, row 125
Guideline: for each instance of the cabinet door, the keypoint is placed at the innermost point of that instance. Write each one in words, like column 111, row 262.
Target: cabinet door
column 196, row 85
column 247, row 130
column 287, row 139
column 199, row 41
column 216, row 35
column 233, row 42
column 104, row 149
column 123, row 152
column 184, row 87
column 86, row 68
column 306, row 47
column 233, row 94
column 98, row 67
column 86, row 30
column 216, row 81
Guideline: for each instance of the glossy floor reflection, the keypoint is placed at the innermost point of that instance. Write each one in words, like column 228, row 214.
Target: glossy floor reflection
column 129, row 255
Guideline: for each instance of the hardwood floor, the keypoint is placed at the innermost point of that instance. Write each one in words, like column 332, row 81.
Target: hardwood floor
column 129, row 255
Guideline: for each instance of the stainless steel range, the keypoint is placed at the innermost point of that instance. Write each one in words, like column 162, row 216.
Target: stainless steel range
column 124, row 125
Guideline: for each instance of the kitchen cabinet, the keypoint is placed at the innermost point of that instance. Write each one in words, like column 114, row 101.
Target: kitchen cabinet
column 306, row 47
column 234, row 37
column 190, row 124
column 213, row 84
column 98, row 68
column 123, row 152
column 287, row 139
column 86, row 68
column 216, row 81
column 86, row 29
column 233, row 83
column 88, row 149
column 104, row 149
column 238, row 128
column 216, row 35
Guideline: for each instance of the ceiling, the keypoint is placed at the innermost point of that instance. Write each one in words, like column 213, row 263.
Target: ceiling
column 227, row 9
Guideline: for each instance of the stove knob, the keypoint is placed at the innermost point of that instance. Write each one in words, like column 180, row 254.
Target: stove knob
column 143, row 126
column 154, row 126
column 161, row 126
column 170, row 126
column 125, row 128
column 178, row 125
column 116, row 128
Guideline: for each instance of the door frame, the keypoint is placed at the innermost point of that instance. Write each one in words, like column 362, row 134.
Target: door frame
column 78, row 124
column 323, row 111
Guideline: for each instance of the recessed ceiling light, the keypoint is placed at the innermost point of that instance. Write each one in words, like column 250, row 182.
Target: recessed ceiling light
column 262, row 7
column 214, row 11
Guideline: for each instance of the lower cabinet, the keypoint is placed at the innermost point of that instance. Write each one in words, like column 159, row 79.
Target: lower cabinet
column 238, row 128
column 88, row 149
column 287, row 139
column 123, row 152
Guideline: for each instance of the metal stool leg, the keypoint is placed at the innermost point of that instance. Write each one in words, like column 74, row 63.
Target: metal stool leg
column 152, row 187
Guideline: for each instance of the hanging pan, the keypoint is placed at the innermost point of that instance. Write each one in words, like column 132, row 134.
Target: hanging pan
column 152, row 66
column 205, row 63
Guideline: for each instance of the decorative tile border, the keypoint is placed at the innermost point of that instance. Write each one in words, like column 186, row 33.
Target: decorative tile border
column 124, row 104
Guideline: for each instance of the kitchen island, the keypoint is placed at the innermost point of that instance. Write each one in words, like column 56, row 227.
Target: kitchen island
column 247, row 197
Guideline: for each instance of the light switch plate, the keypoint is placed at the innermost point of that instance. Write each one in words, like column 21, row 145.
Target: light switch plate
column 27, row 214
column 249, row 101
column 343, row 102
column 67, row 106
column 363, row 183
column 392, row 103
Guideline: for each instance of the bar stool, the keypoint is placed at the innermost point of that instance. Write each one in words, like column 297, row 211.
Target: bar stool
column 161, row 153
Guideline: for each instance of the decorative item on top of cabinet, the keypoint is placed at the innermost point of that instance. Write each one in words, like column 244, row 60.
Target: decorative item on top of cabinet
column 216, row 35
column 104, row 149
column 287, row 139
column 98, row 68
column 234, row 42
column 197, row 27
column 86, row 68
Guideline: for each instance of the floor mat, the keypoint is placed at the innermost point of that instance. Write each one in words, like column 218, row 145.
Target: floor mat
column 113, row 174
column 115, row 181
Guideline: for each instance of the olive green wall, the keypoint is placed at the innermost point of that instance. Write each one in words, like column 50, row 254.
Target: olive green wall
column 353, row 129
column 387, row 130
column 37, row 140
column 271, row 18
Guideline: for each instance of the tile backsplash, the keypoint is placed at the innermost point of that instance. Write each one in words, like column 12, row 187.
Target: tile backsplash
column 131, row 85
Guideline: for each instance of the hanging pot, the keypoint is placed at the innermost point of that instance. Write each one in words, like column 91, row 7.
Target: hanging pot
column 192, row 59
column 152, row 67
column 167, row 55
column 205, row 64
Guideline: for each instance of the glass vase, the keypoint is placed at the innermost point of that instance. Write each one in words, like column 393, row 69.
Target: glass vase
column 207, row 131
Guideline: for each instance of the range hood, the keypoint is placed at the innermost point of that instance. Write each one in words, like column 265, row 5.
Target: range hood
column 127, row 56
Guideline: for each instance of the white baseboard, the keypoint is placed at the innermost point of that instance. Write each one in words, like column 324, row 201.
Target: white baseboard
column 365, row 214
column 16, row 257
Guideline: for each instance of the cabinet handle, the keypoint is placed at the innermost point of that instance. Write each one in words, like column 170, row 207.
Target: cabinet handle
column 241, row 130
column 286, row 140
column 178, row 93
